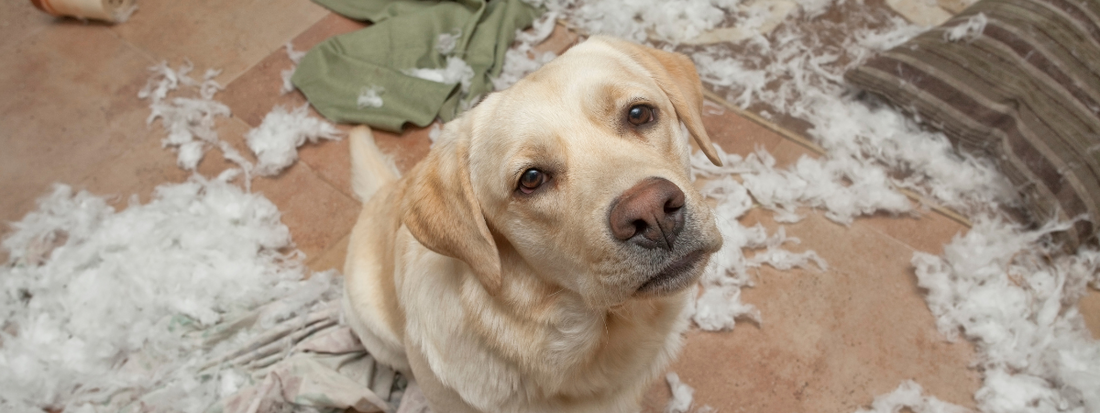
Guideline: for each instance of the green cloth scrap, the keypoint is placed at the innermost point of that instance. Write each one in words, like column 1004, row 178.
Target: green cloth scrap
column 404, row 36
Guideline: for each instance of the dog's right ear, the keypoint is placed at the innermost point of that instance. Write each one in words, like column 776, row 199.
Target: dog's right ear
column 441, row 211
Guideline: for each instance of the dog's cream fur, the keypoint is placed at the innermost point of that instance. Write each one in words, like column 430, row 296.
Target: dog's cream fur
column 498, row 301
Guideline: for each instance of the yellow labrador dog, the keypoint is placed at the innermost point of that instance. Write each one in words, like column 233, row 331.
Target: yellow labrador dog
column 538, row 259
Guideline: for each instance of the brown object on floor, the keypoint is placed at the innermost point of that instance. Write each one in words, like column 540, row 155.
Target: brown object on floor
column 1018, row 81
column 115, row 11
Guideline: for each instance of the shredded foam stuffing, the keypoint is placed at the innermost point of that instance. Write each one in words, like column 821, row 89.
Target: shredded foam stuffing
column 719, row 305
column 681, row 395
column 295, row 57
column 275, row 142
column 521, row 59
column 446, row 42
column 456, row 72
column 189, row 122
column 371, row 97
column 968, row 31
column 102, row 308
column 1011, row 293
column 910, row 395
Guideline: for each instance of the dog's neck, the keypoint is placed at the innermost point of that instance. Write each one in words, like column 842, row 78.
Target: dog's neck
column 560, row 338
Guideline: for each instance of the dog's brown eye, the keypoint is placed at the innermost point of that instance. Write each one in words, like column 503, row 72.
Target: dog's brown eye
column 531, row 180
column 639, row 115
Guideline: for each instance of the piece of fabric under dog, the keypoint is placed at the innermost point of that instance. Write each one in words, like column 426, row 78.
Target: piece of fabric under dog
column 405, row 37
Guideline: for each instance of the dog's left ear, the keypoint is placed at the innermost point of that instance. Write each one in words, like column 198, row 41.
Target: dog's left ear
column 441, row 211
column 675, row 74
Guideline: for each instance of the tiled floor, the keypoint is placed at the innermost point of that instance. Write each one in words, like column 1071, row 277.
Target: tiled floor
column 829, row 342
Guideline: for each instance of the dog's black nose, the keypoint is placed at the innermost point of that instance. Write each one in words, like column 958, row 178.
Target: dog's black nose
column 650, row 215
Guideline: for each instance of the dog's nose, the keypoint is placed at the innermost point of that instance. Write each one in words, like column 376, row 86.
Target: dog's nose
column 650, row 215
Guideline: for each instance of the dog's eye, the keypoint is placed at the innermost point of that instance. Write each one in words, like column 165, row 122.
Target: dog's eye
column 639, row 115
column 531, row 180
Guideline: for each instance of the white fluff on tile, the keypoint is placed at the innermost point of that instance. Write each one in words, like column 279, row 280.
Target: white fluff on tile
column 101, row 307
column 275, row 142
column 910, row 395
column 295, row 56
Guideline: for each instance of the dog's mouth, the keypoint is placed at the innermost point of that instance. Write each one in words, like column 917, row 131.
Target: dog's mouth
column 675, row 276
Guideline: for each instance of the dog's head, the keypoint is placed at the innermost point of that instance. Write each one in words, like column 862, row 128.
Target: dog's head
column 579, row 171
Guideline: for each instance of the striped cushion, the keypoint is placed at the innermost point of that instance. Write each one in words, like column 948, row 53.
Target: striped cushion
column 1025, row 90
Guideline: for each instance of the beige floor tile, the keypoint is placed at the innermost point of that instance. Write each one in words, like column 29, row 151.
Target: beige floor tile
column 21, row 20
column 1090, row 309
column 925, row 230
column 231, row 36
column 70, row 103
column 253, row 94
column 317, row 214
column 737, row 134
column 830, row 341
column 333, row 257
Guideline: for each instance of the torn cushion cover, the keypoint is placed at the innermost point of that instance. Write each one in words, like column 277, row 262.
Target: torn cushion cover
column 1025, row 91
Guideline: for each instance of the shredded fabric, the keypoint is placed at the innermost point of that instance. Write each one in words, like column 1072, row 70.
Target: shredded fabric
column 275, row 142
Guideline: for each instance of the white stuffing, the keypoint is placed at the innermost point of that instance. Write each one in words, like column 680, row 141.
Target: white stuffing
column 969, row 31
column 719, row 306
column 371, row 97
column 456, row 72
column 275, row 142
column 295, row 57
column 190, row 122
column 910, row 395
column 434, row 132
column 101, row 307
column 521, row 59
column 681, row 398
column 1011, row 293
column 446, row 42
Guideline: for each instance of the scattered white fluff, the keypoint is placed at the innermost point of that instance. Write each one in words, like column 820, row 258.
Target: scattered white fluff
column 103, row 307
column 446, row 42
column 968, row 31
column 434, row 132
column 456, row 72
column 719, row 306
column 681, row 395
column 275, row 142
column 190, row 122
column 910, row 395
column 295, row 57
column 370, row 97
column 521, row 60
column 1011, row 293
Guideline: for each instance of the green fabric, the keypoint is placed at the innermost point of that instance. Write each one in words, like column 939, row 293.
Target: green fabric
column 403, row 37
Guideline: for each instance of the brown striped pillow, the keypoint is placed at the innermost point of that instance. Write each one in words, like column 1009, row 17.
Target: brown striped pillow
column 1025, row 90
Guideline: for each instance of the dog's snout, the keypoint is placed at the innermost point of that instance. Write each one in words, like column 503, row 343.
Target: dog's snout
column 650, row 214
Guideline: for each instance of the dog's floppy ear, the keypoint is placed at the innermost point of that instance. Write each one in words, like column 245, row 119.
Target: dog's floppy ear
column 675, row 74
column 441, row 211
